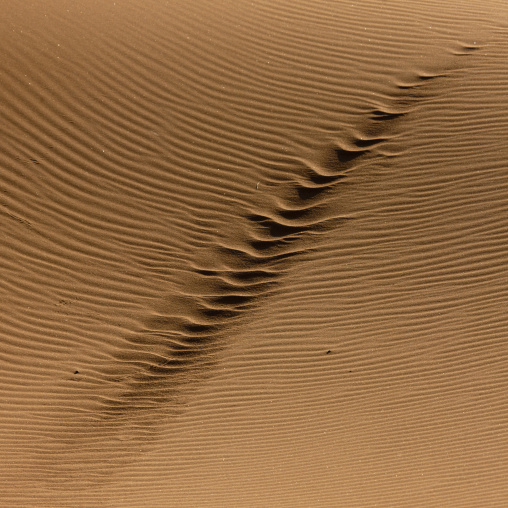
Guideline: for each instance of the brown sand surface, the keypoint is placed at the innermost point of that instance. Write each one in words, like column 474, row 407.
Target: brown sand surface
column 254, row 253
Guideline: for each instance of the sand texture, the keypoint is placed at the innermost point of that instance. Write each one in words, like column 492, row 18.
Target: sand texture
column 254, row 253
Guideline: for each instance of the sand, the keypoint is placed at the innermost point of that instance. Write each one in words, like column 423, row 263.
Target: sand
column 253, row 253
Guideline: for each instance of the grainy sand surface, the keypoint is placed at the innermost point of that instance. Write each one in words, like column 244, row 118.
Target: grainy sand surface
column 254, row 253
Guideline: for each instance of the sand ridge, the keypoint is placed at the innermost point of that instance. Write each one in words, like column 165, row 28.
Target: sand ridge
column 239, row 237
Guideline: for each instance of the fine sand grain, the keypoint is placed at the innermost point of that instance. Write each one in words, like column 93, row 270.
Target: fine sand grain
column 254, row 253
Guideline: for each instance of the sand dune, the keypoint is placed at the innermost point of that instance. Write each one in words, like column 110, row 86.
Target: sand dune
column 253, row 253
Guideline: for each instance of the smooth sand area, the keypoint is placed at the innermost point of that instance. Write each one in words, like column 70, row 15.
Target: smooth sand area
column 254, row 253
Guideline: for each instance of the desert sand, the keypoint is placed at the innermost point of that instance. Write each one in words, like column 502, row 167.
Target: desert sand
column 254, row 253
